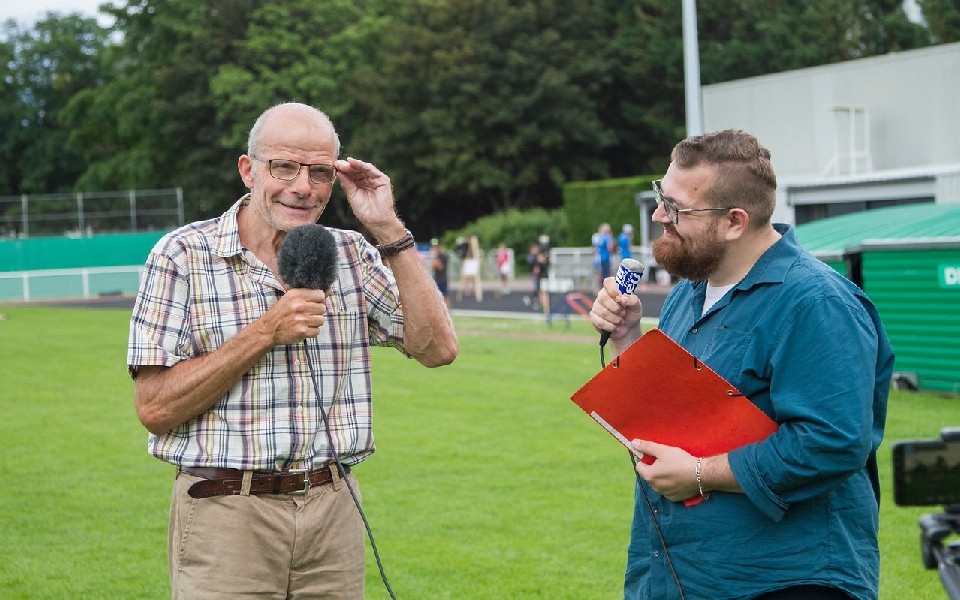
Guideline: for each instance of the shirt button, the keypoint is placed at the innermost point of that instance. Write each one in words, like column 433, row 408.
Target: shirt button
column 656, row 554
column 694, row 330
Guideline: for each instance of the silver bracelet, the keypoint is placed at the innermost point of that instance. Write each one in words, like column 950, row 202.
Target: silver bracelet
column 699, row 483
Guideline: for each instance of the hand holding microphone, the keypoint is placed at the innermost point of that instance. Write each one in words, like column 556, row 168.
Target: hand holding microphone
column 628, row 278
column 307, row 262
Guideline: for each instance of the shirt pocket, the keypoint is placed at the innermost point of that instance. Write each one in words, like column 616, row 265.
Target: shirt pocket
column 741, row 358
column 725, row 350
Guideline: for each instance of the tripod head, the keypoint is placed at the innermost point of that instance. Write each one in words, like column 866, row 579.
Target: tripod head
column 934, row 529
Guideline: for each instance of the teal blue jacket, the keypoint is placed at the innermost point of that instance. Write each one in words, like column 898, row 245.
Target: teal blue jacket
column 807, row 347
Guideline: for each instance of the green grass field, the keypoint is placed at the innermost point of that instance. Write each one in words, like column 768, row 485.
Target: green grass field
column 488, row 483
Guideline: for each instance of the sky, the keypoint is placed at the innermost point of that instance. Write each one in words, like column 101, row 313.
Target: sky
column 28, row 11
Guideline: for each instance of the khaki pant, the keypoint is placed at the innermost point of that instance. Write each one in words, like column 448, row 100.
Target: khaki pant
column 269, row 546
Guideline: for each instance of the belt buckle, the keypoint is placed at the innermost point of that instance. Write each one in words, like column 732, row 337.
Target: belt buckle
column 306, row 482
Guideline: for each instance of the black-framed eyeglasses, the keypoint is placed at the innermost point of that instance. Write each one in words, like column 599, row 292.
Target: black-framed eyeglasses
column 288, row 170
column 673, row 211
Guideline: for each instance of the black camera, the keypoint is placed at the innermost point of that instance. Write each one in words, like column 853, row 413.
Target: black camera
column 927, row 473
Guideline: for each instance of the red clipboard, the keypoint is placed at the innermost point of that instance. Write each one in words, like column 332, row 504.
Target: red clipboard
column 657, row 391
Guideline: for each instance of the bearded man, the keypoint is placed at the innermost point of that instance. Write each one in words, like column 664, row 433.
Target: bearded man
column 796, row 515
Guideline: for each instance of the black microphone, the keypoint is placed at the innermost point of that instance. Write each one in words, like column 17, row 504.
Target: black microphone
column 308, row 258
column 628, row 278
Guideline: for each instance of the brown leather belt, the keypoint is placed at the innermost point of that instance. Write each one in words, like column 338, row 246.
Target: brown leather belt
column 229, row 482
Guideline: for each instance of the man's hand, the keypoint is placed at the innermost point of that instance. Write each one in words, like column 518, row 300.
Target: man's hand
column 370, row 195
column 617, row 313
column 298, row 315
column 673, row 473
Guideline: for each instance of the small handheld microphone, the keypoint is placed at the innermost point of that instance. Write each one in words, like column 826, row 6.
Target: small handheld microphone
column 308, row 258
column 628, row 278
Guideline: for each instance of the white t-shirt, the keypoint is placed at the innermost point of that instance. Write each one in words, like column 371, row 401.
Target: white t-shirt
column 714, row 294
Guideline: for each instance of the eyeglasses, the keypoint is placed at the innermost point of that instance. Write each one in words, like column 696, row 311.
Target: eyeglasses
column 288, row 170
column 672, row 210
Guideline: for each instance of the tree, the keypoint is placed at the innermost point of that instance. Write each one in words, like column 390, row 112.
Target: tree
column 293, row 52
column 756, row 37
column 43, row 68
column 643, row 100
column 472, row 106
column 487, row 105
column 154, row 124
column 14, row 114
column 943, row 19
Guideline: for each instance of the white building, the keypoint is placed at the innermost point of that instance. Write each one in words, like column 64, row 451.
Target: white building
column 868, row 133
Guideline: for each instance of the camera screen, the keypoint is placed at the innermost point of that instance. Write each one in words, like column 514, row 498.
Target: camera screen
column 926, row 473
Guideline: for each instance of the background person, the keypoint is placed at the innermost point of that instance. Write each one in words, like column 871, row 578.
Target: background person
column 470, row 254
column 538, row 261
column 222, row 380
column 439, row 264
column 503, row 268
column 794, row 516
column 625, row 241
column 542, row 269
column 533, row 300
column 603, row 246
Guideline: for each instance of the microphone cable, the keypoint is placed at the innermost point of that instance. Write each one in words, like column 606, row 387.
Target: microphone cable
column 646, row 500
column 342, row 472
column 656, row 525
column 315, row 244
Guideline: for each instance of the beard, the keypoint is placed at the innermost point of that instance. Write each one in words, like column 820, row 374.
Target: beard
column 687, row 259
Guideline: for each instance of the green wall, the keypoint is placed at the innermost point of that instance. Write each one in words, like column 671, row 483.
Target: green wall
column 43, row 253
column 920, row 313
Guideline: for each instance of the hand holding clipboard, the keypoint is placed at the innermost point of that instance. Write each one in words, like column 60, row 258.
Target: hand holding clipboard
column 657, row 391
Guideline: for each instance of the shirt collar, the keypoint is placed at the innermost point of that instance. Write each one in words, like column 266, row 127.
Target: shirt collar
column 227, row 241
column 773, row 264
column 771, row 268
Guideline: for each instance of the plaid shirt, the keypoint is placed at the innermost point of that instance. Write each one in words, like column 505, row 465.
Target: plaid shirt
column 200, row 287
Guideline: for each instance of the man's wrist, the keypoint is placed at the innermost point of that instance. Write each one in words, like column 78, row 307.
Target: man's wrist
column 397, row 246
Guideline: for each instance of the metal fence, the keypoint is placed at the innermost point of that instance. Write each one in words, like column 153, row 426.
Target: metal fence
column 56, row 284
column 89, row 213
column 98, row 282
column 577, row 265
column 571, row 269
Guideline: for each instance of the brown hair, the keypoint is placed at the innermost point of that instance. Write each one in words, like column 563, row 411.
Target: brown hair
column 744, row 173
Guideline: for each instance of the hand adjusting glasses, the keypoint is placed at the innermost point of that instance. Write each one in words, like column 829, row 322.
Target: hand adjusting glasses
column 288, row 170
column 673, row 211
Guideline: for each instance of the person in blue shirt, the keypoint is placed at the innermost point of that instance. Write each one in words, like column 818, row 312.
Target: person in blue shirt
column 603, row 245
column 796, row 515
column 624, row 241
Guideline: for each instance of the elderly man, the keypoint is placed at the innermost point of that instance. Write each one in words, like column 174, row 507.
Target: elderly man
column 221, row 348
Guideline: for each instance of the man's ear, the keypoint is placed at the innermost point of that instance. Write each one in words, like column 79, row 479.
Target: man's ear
column 245, row 166
column 737, row 221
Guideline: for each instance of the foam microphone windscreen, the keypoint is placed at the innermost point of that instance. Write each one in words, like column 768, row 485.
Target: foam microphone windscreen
column 308, row 257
